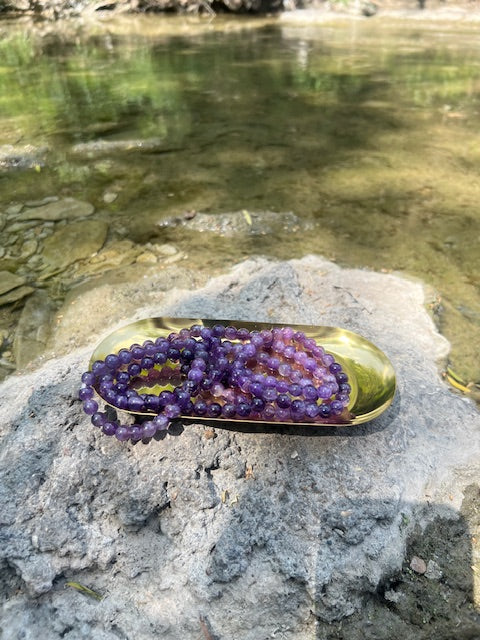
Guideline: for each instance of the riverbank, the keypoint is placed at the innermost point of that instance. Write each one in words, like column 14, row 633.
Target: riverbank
column 298, row 10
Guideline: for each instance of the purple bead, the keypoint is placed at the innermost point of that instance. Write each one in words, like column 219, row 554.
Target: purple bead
column 173, row 354
column 99, row 368
column 138, row 352
column 345, row 387
column 336, row 407
column 161, row 422
column 295, row 376
column 256, row 339
column 214, row 410
column 243, row 409
column 160, row 358
column 90, row 407
column 311, row 409
column 218, row 330
column 269, row 394
column 283, row 401
column 324, row 410
column 297, row 409
column 273, row 363
column 109, row 428
column 269, row 412
column 121, row 402
column 172, row 411
column 147, row 363
column 228, row 410
column 295, row 389
column 282, row 386
column 122, row 433
column 149, row 429
column 98, row 419
column 300, row 357
column 162, row 345
column 257, row 389
column 112, row 361
column 136, row 404
column 88, row 378
column 289, row 352
column 231, row 333
column 85, row 393
column 267, row 337
column 341, row 378
column 124, row 356
column 136, row 432
column 110, row 396
column 166, row 397
column 258, row 405
column 195, row 330
column 309, row 392
column 200, row 408
column 324, row 391
column 282, row 415
column 243, row 334
column 284, row 369
column 150, row 348
column 152, row 403
column 310, row 364
column 249, row 350
column 328, row 360
column 134, row 369
column 206, row 333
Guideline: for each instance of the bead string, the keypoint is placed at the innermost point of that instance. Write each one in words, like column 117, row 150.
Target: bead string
column 277, row 375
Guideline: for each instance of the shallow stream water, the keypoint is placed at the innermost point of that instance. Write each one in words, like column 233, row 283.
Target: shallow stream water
column 366, row 130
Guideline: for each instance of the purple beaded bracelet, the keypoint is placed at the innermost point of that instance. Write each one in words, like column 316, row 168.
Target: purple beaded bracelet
column 277, row 375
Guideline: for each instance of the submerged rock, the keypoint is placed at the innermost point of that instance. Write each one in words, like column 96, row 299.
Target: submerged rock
column 71, row 243
column 240, row 533
column 237, row 222
column 64, row 209
column 18, row 158
column 15, row 294
column 98, row 148
column 9, row 281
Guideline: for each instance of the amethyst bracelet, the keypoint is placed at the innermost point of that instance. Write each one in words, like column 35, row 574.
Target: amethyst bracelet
column 277, row 375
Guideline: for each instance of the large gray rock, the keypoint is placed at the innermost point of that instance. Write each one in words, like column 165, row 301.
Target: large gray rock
column 233, row 534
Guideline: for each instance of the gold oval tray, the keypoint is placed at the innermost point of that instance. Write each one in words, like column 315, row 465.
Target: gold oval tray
column 370, row 372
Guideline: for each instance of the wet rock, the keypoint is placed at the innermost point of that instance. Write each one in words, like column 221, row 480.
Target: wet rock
column 98, row 148
column 237, row 222
column 9, row 281
column 18, row 158
column 33, row 329
column 71, row 243
column 15, row 294
column 28, row 249
column 64, row 209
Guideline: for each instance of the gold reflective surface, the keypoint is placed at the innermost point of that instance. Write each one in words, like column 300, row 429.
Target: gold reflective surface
column 370, row 372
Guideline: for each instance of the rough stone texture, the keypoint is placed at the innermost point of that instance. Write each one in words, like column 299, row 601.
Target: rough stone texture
column 229, row 534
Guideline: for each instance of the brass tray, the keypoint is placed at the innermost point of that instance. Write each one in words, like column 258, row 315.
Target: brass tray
column 370, row 372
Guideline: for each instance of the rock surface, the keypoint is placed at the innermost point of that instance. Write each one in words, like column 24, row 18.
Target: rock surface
column 224, row 534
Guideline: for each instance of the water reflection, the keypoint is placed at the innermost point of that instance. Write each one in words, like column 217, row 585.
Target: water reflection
column 367, row 131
